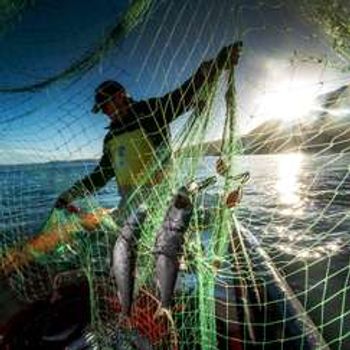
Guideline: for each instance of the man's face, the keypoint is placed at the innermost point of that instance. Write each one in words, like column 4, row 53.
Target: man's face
column 116, row 107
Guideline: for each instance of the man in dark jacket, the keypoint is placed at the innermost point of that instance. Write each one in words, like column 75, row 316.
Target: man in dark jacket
column 138, row 129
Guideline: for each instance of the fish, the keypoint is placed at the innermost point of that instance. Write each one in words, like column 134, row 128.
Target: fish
column 124, row 258
column 169, row 244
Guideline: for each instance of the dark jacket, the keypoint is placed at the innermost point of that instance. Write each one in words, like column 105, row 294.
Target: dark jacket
column 152, row 117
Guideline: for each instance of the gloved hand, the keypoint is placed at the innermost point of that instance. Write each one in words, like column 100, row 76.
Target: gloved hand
column 230, row 54
column 61, row 203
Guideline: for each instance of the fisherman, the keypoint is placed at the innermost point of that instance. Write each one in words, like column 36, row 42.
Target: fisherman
column 139, row 129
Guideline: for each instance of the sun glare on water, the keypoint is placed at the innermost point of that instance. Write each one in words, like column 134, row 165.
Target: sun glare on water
column 288, row 182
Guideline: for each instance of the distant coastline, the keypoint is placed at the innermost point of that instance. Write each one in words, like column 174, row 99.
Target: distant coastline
column 53, row 163
column 324, row 135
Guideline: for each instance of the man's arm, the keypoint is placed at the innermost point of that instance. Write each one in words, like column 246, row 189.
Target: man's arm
column 90, row 183
column 180, row 100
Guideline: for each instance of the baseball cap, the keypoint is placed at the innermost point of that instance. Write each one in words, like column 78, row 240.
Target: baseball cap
column 104, row 92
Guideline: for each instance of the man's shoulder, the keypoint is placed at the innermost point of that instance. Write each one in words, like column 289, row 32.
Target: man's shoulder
column 142, row 107
column 141, row 115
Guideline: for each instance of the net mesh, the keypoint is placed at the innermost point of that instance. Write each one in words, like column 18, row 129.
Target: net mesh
column 269, row 272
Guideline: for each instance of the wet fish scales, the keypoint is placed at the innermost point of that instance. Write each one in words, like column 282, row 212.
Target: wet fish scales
column 169, row 244
column 124, row 258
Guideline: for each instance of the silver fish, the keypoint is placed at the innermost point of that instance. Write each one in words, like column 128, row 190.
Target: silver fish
column 124, row 258
column 169, row 244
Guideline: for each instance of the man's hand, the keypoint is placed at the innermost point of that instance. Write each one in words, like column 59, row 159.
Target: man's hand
column 236, row 51
column 61, row 203
column 230, row 54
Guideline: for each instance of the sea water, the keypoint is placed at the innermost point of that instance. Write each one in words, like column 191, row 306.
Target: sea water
column 297, row 205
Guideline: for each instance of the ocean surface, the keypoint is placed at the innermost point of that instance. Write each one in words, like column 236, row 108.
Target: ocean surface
column 297, row 205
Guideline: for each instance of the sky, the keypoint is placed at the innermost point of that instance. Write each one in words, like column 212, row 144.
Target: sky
column 286, row 62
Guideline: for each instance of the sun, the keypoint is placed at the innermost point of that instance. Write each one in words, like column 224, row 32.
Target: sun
column 288, row 101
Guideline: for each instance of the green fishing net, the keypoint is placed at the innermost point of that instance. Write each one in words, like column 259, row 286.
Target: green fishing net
column 269, row 272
